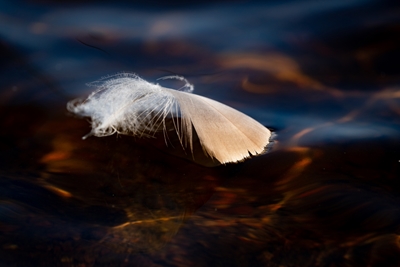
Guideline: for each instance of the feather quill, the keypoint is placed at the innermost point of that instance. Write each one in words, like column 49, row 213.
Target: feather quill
column 127, row 104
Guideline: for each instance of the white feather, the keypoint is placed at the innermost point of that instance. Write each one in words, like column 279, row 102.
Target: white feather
column 127, row 104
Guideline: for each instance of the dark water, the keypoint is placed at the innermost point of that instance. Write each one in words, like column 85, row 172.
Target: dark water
column 325, row 76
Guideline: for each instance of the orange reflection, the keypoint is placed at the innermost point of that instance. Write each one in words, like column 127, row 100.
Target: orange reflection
column 280, row 66
column 148, row 221
column 58, row 191
column 389, row 96
column 54, row 156
column 295, row 139
column 298, row 168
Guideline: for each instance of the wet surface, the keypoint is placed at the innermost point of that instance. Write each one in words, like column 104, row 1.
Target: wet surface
column 324, row 76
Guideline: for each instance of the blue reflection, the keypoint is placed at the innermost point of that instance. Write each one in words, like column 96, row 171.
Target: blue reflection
column 63, row 47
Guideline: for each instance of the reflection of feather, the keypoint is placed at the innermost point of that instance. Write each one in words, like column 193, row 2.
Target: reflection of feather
column 127, row 104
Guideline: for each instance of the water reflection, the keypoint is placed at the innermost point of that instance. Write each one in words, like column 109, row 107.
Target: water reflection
column 324, row 76
column 111, row 195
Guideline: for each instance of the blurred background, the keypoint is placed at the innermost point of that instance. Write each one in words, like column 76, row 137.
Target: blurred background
column 323, row 75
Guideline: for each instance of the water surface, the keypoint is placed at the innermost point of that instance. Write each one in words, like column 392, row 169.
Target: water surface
column 324, row 76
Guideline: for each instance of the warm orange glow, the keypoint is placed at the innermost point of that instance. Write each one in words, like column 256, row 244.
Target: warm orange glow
column 311, row 192
column 58, row 191
column 56, row 155
column 295, row 170
column 295, row 139
column 349, row 117
column 280, row 66
column 258, row 89
column 147, row 221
